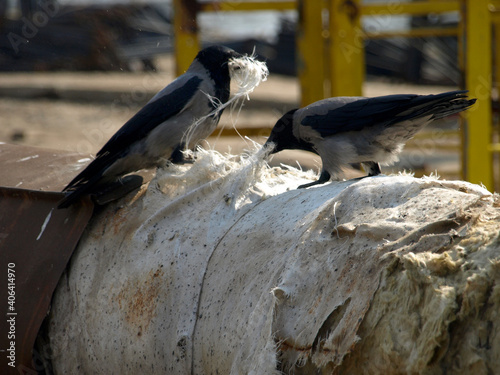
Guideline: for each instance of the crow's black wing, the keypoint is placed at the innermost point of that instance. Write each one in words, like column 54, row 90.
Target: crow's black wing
column 151, row 115
column 139, row 126
column 384, row 111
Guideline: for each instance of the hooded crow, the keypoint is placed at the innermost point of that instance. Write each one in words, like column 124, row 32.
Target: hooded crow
column 346, row 130
column 178, row 117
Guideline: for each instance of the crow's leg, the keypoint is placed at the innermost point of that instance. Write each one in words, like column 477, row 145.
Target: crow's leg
column 178, row 157
column 372, row 168
column 323, row 177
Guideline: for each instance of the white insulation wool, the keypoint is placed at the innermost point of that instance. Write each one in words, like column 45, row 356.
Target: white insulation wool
column 246, row 73
column 223, row 267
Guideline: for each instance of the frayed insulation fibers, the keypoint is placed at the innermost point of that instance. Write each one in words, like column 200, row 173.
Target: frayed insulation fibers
column 224, row 267
column 247, row 72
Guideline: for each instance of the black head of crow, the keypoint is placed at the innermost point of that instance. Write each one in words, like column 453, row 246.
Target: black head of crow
column 348, row 130
column 283, row 138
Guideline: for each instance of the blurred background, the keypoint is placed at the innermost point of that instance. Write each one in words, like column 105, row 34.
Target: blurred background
column 73, row 71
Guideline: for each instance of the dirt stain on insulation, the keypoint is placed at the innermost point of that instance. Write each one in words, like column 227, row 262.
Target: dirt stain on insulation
column 139, row 298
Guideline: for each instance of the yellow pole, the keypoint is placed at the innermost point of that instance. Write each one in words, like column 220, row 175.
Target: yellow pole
column 496, row 51
column 311, row 51
column 185, row 34
column 478, row 161
column 346, row 48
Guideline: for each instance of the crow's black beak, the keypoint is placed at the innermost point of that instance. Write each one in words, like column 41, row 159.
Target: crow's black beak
column 237, row 55
column 270, row 147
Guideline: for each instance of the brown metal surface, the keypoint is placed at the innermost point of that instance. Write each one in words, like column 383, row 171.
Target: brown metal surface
column 44, row 169
column 38, row 168
column 36, row 242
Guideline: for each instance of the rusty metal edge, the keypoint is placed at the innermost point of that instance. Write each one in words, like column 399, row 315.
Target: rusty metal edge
column 36, row 242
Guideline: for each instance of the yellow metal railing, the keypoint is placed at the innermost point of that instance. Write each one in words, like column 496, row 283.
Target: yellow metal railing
column 311, row 58
column 186, row 30
column 186, row 41
column 477, row 160
column 419, row 8
column 330, row 55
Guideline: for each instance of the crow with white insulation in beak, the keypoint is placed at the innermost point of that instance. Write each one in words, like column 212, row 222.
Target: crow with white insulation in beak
column 347, row 130
column 178, row 117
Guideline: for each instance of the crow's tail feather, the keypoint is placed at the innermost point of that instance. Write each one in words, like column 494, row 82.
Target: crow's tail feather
column 451, row 105
column 74, row 193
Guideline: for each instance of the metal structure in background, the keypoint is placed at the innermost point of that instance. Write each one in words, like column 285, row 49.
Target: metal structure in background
column 330, row 44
